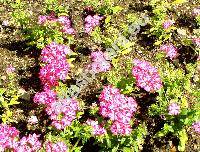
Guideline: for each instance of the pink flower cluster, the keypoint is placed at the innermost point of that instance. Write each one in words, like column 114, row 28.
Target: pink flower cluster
column 9, row 139
column 46, row 97
column 61, row 111
column 54, row 52
column 99, row 64
column 91, row 22
column 196, row 126
column 28, row 144
column 196, row 11
column 167, row 24
column 63, row 20
column 57, row 67
column 56, row 147
column 118, row 108
column 8, row 136
column 196, row 41
column 174, row 109
column 147, row 76
column 97, row 129
column 170, row 50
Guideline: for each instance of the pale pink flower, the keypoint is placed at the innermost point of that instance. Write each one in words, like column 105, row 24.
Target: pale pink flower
column 196, row 126
column 174, row 109
column 170, row 50
column 196, row 11
column 97, row 129
column 10, row 69
column 196, row 41
column 167, row 24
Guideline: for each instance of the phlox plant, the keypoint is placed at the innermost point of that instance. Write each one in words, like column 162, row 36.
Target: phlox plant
column 172, row 102
column 53, row 25
column 162, row 25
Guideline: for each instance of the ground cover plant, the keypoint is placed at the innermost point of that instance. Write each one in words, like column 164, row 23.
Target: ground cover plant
column 100, row 75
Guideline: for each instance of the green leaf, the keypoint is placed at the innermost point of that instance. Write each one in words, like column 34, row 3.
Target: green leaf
column 116, row 9
column 14, row 101
column 158, row 42
column 127, row 149
column 108, row 18
column 179, row 1
column 183, row 139
column 2, row 90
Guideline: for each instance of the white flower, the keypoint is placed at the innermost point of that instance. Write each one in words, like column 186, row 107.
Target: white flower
column 33, row 120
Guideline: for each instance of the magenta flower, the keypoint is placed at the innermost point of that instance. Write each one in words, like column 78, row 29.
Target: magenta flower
column 170, row 50
column 57, row 66
column 8, row 137
column 118, row 108
column 120, row 128
column 62, row 112
column 97, row 129
column 54, row 51
column 56, row 147
column 146, row 75
column 174, row 109
column 196, row 126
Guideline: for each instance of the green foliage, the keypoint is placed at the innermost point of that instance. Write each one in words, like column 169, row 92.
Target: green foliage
column 176, row 88
column 131, row 143
column 120, row 76
column 9, row 97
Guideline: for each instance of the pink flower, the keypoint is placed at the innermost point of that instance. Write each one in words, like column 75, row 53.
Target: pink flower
column 170, row 50
column 196, row 126
column 45, row 97
column 121, row 128
column 8, row 136
column 118, row 108
column 57, row 66
column 91, row 22
column 97, row 129
column 62, row 112
column 196, row 41
column 42, row 19
column 174, row 109
column 63, row 20
column 167, row 24
column 99, row 64
column 28, row 144
column 10, row 69
column 54, row 51
column 196, row 11
column 146, row 75
column 56, row 147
